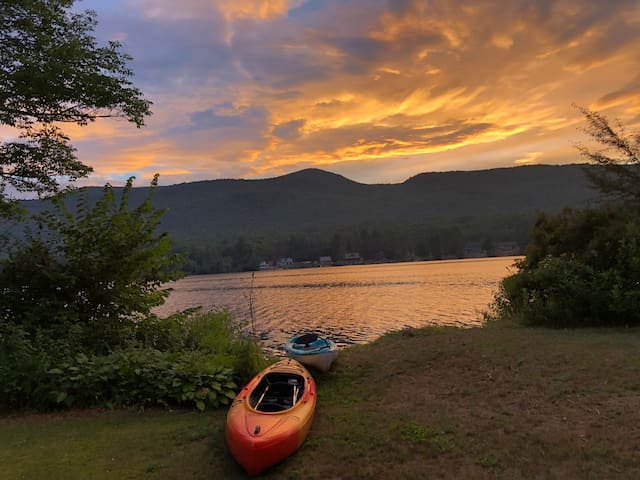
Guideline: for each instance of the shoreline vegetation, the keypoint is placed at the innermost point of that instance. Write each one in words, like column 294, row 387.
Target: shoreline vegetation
column 499, row 401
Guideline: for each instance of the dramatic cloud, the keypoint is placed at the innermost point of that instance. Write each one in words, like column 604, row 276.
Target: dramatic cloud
column 289, row 130
column 376, row 90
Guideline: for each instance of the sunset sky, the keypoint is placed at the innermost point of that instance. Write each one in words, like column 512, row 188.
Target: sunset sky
column 374, row 90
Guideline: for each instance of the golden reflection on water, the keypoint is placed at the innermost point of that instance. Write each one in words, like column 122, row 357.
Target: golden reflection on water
column 350, row 304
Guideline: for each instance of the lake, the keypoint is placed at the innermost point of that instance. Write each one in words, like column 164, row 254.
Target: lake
column 350, row 304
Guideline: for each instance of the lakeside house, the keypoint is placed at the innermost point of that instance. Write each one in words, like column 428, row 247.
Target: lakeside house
column 285, row 262
column 352, row 258
column 325, row 260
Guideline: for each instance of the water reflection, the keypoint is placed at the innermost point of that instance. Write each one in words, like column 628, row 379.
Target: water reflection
column 351, row 304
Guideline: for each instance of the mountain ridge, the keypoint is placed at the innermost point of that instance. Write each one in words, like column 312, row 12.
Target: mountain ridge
column 314, row 199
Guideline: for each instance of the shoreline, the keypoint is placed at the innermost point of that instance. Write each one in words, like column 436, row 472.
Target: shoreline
column 366, row 263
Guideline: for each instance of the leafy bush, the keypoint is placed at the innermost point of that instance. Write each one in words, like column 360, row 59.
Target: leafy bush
column 22, row 366
column 101, row 267
column 583, row 266
column 193, row 360
column 582, row 269
column 139, row 377
column 76, row 327
column 559, row 292
column 213, row 332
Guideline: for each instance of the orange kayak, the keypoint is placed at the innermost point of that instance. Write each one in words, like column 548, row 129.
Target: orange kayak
column 271, row 416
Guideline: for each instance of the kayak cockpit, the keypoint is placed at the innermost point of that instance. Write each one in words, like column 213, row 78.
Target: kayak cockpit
column 277, row 392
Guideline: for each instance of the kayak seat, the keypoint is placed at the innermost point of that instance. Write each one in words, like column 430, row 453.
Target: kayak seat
column 277, row 392
column 306, row 339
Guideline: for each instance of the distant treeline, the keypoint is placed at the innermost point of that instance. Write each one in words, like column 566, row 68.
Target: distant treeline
column 233, row 225
column 399, row 242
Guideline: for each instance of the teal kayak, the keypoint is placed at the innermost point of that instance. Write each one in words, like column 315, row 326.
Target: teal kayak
column 312, row 350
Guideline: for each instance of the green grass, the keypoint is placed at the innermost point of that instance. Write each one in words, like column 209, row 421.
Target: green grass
column 109, row 445
column 501, row 402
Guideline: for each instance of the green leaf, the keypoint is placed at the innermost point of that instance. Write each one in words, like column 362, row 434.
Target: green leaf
column 201, row 406
column 82, row 358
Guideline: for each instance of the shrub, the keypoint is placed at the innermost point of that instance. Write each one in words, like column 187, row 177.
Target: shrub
column 213, row 332
column 590, row 281
column 583, row 266
column 22, row 367
column 558, row 292
column 101, row 267
column 140, row 377
column 191, row 360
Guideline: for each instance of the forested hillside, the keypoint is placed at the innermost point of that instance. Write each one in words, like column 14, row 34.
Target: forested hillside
column 224, row 225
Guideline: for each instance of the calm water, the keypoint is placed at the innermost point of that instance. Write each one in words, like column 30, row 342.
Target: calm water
column 352, row 304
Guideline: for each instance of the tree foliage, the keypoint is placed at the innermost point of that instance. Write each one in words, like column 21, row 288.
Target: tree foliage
column 582, row 266
column 374, row 243
column 99, row 267
column 52, row 71
column 619, row 157
column 76, row 296
column 76, row 322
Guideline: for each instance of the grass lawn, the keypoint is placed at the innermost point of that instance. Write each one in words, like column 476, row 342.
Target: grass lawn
column 495, row 402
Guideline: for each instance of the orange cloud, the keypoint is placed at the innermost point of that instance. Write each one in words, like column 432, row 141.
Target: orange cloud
column 529, row 158
column 258, row 9
column 413, row 85
column 501, row 40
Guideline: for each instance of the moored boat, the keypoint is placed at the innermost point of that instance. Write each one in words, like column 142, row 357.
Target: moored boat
column 271, row 416
column 312, row 350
